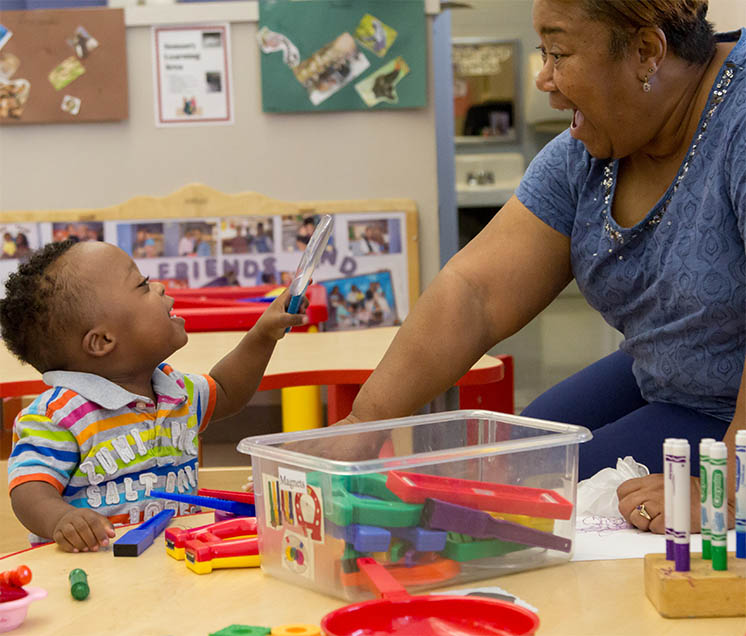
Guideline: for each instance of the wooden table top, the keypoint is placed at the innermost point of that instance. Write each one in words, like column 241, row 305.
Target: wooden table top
column 155, row 594
column 332, row 357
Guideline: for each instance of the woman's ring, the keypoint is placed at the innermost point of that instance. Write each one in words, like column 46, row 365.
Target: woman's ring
column 643, row 513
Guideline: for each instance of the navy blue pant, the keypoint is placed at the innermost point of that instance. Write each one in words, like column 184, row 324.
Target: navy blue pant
column 604, row 397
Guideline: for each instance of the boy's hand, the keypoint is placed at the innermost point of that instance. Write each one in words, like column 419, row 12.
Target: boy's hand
column 275, row 320
column 81, row 530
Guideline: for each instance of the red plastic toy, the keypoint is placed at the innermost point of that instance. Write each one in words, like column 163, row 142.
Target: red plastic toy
column 222, row 308
column 535, row 502
column 208, row 551
column 176, row 538
column 399, row 613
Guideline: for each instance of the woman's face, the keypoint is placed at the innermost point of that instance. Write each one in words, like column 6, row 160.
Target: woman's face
column 579, row 74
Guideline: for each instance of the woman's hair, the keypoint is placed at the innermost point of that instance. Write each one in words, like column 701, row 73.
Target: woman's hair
column 688, row 33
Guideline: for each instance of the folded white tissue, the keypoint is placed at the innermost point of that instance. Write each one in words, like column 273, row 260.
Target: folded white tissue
column 597, row 495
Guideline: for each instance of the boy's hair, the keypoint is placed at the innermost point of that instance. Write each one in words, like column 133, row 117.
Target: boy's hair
column 41, row 307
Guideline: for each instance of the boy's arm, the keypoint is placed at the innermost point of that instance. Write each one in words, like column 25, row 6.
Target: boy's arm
column 40, row 507
column 239, row 373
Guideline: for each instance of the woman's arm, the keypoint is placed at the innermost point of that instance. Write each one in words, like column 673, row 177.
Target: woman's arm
column 495, row 285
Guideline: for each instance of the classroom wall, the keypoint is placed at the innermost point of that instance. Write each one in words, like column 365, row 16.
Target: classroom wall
column 727, row 15
column 346, row 155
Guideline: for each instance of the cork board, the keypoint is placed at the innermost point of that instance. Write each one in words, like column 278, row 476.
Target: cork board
column 63, row 66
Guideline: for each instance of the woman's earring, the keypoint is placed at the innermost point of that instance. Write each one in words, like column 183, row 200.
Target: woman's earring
column 646, row 80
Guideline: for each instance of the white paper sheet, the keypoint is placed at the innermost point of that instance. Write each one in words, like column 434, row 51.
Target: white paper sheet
column 598, row 538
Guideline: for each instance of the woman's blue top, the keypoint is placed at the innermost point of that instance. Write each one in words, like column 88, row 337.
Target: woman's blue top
column 675, row 283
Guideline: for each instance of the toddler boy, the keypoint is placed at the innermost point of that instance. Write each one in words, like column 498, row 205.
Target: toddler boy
column 117, row 422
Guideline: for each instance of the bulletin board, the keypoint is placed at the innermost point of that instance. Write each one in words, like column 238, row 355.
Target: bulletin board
column 350, row 55
column 199, row 237
column 63, row 66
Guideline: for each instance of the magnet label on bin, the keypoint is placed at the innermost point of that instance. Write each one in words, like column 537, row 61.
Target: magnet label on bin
column 300, row 511
column 292, row 480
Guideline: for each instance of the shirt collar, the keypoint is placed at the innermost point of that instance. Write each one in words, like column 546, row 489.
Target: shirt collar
column 106, row 393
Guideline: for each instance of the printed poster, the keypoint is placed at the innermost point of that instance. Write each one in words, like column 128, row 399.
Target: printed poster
column 364, row 267
column 192, row 75
column 352, row 55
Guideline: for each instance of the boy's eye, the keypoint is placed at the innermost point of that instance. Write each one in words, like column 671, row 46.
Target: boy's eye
column 145, row 282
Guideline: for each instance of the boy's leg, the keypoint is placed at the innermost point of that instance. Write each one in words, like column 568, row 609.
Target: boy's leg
column 641, row 434
column 601, row 393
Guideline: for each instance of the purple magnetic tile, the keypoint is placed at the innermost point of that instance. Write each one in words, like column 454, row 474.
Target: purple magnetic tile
column 442, row 515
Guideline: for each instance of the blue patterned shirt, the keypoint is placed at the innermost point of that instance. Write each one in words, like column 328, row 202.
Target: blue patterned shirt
column 675, row 285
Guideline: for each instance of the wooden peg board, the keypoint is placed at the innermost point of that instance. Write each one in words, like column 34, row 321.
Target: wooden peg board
column 700, row 592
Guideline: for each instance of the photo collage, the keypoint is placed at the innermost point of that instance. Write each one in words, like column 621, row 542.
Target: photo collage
column 363, row 269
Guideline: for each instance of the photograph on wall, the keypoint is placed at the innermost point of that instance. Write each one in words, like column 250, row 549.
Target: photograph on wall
column 375, row 236
column 18, row 240
column 356, row 302
column 330, row 68
column 374, row 35
column 64, row 66
column 66, row 72
column 9, row 64
column 82, row 42
column 191, row 75
column 247, row 235
column 297, row 230
column 5, row 35
column 78, row 231
column 141, row 240
column 192, row 238
column 352, row 58
column 381, row 86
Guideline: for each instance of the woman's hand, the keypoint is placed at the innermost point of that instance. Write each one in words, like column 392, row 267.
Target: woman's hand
column 648, row 491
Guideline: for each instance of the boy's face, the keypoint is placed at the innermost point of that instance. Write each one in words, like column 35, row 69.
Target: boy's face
column 134, row 310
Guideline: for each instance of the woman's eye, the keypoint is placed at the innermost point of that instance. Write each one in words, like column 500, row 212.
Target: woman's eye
column 145, row 282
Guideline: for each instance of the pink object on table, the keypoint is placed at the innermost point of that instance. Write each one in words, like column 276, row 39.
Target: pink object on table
column 13, row 613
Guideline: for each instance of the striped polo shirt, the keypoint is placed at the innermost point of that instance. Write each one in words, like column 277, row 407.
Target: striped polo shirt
column 105, row 448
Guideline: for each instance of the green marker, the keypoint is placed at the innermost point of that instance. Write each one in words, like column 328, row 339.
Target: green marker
column 719, row 522
column 79, row 584
column 706, row 494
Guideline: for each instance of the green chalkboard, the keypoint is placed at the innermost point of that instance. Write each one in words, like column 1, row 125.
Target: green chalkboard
column 326, row 55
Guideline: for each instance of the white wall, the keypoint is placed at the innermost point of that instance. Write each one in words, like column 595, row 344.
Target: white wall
column 295, row 156
column 727, row 15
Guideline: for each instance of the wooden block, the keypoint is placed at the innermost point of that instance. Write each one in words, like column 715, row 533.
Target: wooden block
column 700, row 592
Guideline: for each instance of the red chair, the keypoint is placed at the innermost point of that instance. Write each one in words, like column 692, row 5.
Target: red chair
column 226, row 308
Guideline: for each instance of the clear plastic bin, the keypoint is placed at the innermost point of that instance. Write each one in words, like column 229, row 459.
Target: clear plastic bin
column 439, row 499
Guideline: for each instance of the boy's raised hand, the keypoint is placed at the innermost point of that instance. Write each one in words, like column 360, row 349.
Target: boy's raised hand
column 275, row 320
column 81, row 530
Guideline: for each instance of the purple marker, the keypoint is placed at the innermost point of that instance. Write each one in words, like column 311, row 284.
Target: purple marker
column 679, row 458
column 668, row 495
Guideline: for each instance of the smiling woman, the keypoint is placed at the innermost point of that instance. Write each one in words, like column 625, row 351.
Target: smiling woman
column 643, row 202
